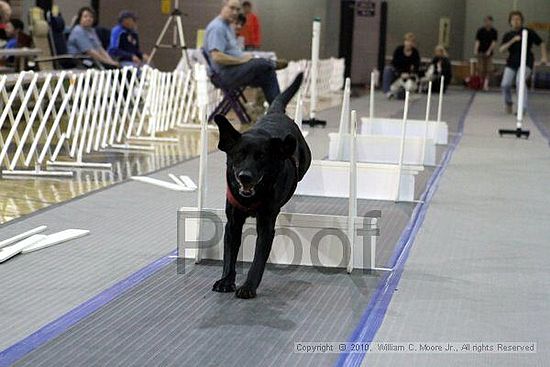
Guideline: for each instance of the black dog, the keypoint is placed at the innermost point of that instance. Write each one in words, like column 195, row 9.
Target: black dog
column 264, row 166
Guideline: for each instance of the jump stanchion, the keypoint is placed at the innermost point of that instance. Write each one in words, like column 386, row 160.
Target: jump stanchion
column 202, row 99
column 352, row 207
column 344, row 120
column 316, row 39
column 440, row 102
column 519, row 132
column 402, row 148
column 428, row 106
column 371, row 96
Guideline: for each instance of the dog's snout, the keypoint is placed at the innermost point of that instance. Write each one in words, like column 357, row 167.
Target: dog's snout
column 245, row 177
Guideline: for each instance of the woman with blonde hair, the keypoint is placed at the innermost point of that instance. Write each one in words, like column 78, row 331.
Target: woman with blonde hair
column 440, row 66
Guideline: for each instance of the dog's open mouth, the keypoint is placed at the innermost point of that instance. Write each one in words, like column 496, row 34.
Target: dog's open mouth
column 247, row 190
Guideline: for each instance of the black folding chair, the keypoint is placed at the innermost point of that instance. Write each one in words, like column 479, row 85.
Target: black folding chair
column 233, row 98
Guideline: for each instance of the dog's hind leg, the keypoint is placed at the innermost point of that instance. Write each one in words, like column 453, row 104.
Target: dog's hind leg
column 265, row 225
column 231, row 245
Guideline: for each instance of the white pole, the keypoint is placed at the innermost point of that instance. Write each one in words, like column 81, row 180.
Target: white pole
column 344, row 120
column 402, row 148
column 374, row 222
column 76, row 100
column 202, row 99
column 352, row 210
column 314, row 66
column 371, row 99
column 426, row 122
column 440, row 103
column 522, row 67
column 299, row 113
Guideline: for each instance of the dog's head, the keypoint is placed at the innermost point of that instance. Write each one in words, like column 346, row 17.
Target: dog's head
column 254, row 157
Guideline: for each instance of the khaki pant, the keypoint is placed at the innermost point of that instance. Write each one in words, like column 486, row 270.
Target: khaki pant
column 484, row 65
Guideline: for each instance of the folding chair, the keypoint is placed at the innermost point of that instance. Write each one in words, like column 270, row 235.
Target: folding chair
column 232, row 98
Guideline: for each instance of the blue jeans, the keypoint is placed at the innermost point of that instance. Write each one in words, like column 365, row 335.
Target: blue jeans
column 510, row 77
column 256, row 73
column 388, row 77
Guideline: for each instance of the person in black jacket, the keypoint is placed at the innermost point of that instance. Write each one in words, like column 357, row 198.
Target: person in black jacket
column 440, row 66
column 511, row 42
column 405, row 63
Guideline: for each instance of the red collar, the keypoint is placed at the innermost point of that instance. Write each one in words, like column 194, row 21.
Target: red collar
column 233, row 201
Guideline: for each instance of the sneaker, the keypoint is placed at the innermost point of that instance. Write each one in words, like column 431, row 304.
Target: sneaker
column 280, row 64
column 509, row 108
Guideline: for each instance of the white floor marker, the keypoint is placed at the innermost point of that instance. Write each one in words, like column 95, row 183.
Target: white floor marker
column 182, row 183
column 10, row 251
column 56, row 239
column 22, row 236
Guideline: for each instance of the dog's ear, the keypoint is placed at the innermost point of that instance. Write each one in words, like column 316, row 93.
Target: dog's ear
column 284, row 148
column 229, row 136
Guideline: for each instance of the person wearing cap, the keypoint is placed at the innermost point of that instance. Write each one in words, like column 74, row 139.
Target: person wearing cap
column 83, row 39
column 124, row 45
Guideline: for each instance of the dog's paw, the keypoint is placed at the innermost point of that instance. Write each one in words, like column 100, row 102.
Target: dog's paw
column 245, row 292
column 224, row 286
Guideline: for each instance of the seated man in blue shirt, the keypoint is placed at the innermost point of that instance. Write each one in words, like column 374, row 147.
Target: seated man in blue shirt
column 124, row 45
column 235, row 67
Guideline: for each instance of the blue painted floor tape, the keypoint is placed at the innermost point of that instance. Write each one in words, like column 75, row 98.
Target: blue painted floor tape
column 376, row 309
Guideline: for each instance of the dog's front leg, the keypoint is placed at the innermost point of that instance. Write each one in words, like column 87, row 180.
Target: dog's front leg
column 231, row 244
column 265, row 226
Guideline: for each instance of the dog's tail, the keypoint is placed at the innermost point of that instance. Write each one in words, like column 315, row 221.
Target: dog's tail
column 279, row 103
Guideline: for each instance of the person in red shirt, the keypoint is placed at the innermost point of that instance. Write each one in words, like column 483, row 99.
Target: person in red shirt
column 251, row 29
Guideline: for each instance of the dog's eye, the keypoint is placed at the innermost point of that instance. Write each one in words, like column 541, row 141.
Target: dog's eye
column 259, row 156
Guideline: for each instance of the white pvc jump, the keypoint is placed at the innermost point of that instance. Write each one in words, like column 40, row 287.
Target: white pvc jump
column 381, row 139
column 353, row 253
column 390, row 178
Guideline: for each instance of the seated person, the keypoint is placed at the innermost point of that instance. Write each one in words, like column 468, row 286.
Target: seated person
column 234, row 67
column 17, row 38
column 5, row 15
column 440, row 66
column 404, row 65
column 124, row 45
column 84, row 41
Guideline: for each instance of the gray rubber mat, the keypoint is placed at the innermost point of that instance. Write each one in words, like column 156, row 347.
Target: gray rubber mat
column 176, row 320
column 478, row 270
column 133, row 224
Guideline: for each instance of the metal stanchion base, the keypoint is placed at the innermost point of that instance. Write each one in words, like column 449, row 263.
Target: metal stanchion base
column 15, row 173
column 81, row 165
column 154, row 140
column 519, row 133
column 314, row 122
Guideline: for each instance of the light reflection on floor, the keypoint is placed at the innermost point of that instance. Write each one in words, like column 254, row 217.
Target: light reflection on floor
column 22, row 196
